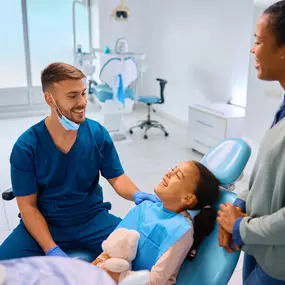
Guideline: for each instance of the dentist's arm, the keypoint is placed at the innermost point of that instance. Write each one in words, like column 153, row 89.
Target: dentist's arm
column 35, row 222
column 25, row 188
column 112, row 170
column 124, row 186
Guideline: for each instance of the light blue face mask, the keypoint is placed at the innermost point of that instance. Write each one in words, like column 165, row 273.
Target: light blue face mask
column 68, row 124
column 65, row 122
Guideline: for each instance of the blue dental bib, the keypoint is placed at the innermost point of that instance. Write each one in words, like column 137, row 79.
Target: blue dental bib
column 159, row 229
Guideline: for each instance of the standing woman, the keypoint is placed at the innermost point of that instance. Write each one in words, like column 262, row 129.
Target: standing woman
column 256, row 221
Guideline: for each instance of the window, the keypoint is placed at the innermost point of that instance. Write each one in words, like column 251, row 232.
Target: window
column 12, row 55
column 82, row 27
column 50, row 34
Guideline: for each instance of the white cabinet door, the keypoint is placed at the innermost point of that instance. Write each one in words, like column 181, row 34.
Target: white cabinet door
column 201, row 142
column 207, row 123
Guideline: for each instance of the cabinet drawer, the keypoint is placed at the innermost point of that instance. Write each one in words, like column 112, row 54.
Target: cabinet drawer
column 207, row 124
column 201, row 142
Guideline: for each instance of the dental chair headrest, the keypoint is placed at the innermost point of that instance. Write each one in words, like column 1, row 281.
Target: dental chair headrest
column 227, row 160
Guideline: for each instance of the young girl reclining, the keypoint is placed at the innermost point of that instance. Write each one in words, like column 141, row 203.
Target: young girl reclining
column 166, row 230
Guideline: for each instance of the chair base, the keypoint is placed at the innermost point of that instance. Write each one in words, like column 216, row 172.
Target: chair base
column 148, row 124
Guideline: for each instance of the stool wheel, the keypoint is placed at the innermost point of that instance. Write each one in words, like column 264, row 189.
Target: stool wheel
column 145, row 137
column 131, row 132
column 166, row 134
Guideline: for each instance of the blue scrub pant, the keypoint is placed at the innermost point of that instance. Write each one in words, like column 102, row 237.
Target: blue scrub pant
column 252, row 274
column 89, row 236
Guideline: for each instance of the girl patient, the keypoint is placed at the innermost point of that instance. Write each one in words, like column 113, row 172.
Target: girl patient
column 166, row 229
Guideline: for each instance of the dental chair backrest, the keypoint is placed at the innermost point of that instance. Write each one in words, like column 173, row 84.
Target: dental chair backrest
column 212, row 264
column 118, row 74
column 227, row 161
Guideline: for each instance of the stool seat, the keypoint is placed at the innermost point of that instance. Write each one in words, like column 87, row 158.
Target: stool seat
column 149, row 99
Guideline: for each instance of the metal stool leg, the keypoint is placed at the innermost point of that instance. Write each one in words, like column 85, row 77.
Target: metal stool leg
column 161, row 127
column 145, row 132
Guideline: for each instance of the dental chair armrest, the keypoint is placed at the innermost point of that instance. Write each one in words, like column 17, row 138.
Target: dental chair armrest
column 8, row 195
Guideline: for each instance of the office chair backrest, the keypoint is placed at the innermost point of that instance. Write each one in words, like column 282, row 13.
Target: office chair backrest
column 162, row 84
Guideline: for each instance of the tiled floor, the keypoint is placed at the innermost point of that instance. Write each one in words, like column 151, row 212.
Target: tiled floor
column 145, row 161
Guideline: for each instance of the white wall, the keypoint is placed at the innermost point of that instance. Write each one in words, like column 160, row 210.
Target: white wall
column 262, row 101
column 199, row 47
column 202, row 49
column 106, row 30
column 110, row 30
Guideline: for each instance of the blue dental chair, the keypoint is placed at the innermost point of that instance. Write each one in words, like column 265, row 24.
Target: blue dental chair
column 125, row 67
column 212, row 264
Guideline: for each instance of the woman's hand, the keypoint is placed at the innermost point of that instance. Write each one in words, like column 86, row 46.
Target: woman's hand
column 225, row 240
column 227, row 216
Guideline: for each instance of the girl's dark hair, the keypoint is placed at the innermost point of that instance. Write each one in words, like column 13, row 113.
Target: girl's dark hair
column 276, row 14
column 207, row 193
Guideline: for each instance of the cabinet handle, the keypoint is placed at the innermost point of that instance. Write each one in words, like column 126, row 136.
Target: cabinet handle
column 210, row 109
column 204, row 124
column 198, row 142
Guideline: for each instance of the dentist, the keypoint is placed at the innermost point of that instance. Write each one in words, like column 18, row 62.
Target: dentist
column 256, row 221
column 55, row 171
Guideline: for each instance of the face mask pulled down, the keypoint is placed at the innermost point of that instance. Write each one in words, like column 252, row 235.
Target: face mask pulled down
column 65, row 122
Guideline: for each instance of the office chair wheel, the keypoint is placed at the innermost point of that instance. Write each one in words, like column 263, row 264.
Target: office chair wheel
column 141, row 127
column 145, row 137
column 166, row 134
column 131, row 132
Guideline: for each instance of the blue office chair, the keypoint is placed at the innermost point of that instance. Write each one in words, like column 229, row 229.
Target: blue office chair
column 149, row 101
column 212, row 264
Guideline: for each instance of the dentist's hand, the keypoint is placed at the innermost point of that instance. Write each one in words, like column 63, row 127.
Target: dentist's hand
column 142, row 196
column 56, row 251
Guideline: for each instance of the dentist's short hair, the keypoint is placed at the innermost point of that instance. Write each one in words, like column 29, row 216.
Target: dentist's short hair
column 59, row 71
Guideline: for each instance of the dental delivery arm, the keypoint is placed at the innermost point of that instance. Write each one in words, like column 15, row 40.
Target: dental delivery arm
column 35, row 222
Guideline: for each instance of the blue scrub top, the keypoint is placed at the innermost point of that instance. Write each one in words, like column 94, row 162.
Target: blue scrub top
column 67, row 184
